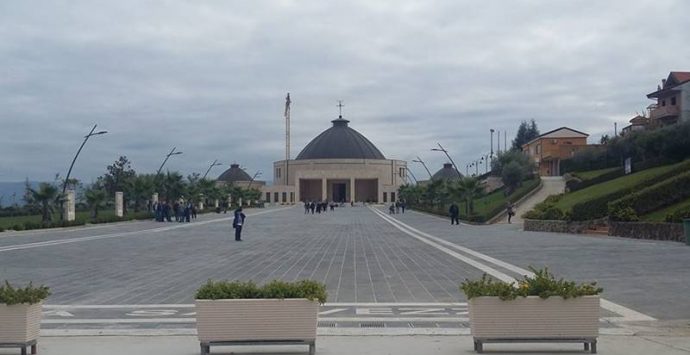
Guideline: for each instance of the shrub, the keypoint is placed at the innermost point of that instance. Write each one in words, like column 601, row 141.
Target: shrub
column 29, row 294
column 623, row 214
column 18, row 227
column 577, row 184
column 308, row 289
column 542, row 284
column 653, row 197
column 678, row 216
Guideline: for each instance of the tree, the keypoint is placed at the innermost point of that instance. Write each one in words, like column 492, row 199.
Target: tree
column 46, row 197
column 95, row 198
column 526, row 132
column 604, row 139
column 512, row 176
column 118, row 178
column 469, row 189
column 141, row 190
column 504, row 158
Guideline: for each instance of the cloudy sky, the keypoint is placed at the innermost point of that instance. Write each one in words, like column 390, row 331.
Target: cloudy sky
column 210, row 77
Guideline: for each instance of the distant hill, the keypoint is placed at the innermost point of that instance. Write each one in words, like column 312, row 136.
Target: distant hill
column 13, row 192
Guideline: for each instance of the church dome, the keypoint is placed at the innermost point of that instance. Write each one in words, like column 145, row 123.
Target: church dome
column 340, row 142
column 235, row 173
column 446, row 173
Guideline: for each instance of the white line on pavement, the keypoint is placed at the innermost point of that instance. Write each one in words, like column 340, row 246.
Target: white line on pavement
column 627, row 314
column 124, row 234
column 191, row 305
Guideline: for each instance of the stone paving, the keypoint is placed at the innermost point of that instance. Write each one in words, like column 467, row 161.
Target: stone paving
column 379, row 273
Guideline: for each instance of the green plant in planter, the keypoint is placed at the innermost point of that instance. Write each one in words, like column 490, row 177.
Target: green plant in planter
column 214, row 290
column 542, row 284
column 10, row 295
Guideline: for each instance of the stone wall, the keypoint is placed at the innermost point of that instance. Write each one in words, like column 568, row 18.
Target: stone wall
column 556, row 226
column 642, row 230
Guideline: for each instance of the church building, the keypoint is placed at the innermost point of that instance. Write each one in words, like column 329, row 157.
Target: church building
column 339, row 165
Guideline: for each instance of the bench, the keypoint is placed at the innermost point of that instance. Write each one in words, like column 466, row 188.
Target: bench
column 590, row 344
column 22, row 346
column 206, row 346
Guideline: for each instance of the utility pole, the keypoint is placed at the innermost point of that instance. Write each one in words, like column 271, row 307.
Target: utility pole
column 492, row 141
column 441, row 149
column 287, row 136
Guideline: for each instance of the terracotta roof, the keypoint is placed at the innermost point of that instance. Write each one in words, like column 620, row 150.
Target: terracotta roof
column 555, row 130
column 680, row 76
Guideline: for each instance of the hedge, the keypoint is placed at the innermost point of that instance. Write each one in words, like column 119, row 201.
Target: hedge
column 216, row 290
column 577, row 184
column 598, row 206
column 652, row 198
column 678, row 216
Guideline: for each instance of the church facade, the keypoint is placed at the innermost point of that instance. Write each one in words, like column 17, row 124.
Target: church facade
column 339, row 165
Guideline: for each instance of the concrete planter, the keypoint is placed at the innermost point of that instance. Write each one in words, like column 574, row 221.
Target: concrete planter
column 256, row 321
column 20, row 325
column 532, row 319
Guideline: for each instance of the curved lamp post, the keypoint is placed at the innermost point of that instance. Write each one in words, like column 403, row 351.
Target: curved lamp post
column 257, row 174
column 215, row 163
column 419, row 160
column 172, row 152
column 86, row 138
column 440, row 149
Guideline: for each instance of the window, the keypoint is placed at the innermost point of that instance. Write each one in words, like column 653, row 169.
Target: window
column 663, row 102
column 392, row 196
column 284, row 196
column 277, row 172
column 292, row 197
column 673, row 101
column 268, row 197
column 538, row 150
column 275, row 197
column 402, row 172
column 385, row 197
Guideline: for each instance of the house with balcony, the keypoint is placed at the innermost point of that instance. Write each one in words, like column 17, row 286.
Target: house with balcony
column 672, row 100
column 547, row 150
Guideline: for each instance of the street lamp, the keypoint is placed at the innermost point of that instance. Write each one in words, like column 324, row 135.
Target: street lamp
column 172, row 152
column 492, row 142
column 419, row 160
column 440, row 149
column 257, row 174
column 215, row 163
column 86, row 138
column 409, row 172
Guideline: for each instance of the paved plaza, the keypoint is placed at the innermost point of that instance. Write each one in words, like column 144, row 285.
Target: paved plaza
column 385, row 274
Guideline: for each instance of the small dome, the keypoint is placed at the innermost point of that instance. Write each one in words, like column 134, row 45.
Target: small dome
column 340, row 142
column 446, row 173
column 235, row 173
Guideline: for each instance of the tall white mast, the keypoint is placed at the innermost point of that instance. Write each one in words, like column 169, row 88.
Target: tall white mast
column 287, row 135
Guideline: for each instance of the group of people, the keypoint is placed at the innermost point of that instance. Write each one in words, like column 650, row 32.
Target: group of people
column 396, row 207
column 318, row 207
column 182, row 211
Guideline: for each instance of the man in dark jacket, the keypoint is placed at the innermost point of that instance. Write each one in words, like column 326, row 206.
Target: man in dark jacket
column 454, row 212
column 237, row 223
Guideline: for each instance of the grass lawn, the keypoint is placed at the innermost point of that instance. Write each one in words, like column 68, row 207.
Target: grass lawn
column 591, row 174
column 8, row 222
column 660, row 215
column 629, row 181
column 487, row 205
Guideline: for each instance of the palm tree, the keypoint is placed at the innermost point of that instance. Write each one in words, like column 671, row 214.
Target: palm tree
column 95, row 198
column 141, row 190
column 46, row 196
column 469, row 189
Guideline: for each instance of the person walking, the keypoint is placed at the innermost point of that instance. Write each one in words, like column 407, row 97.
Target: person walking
column 237, row 223
column 402, row 207
column 454, row 212
column 510, row 210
